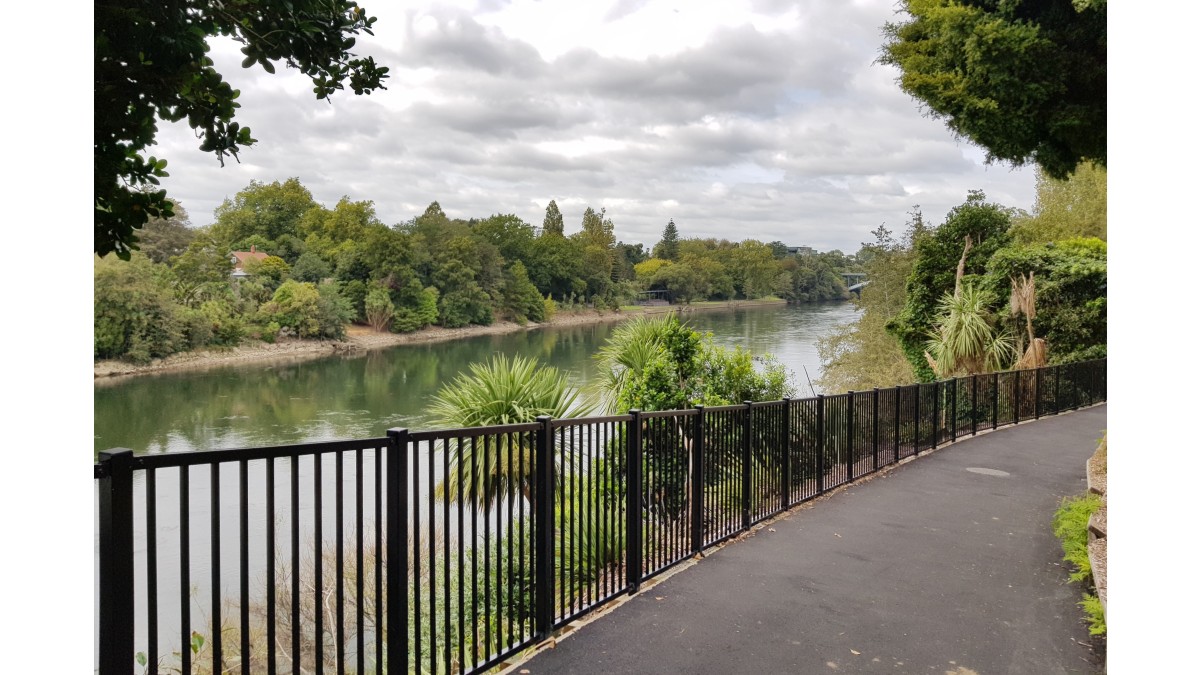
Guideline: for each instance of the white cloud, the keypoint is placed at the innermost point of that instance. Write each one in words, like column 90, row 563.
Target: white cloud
column 762, row 119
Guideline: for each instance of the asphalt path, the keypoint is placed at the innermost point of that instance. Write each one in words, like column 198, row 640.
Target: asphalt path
column 946, row 565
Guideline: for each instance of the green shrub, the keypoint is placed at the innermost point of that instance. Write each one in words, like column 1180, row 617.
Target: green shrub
column 226, row 329
column 134, row 312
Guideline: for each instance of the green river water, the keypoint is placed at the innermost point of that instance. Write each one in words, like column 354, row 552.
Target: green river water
column 362, row 395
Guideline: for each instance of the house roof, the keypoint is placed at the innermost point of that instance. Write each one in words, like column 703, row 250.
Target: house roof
column 243, row 256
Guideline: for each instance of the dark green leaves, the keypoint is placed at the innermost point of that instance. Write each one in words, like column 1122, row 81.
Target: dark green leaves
column 151, row 63
column 1027, row 81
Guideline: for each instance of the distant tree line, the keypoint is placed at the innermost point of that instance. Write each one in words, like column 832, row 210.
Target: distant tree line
column 328, row 267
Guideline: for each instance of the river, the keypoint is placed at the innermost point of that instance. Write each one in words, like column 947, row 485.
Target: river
column 363, row 395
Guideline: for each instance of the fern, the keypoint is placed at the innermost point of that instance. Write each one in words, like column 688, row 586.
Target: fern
column 1095, row 614
column 1070, row 525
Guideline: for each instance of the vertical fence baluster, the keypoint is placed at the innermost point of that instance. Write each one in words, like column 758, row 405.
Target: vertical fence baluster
column 116, row 562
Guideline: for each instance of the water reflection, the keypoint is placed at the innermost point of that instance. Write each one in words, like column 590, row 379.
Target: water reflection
column 362, row 395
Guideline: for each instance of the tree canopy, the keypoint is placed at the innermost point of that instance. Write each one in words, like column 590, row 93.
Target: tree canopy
column 151, row 63
column 1026, row 80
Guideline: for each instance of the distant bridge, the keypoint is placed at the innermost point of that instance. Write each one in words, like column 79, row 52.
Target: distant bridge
column 855, row 281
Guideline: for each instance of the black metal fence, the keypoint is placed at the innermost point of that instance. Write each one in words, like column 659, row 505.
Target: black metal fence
column 448, row 551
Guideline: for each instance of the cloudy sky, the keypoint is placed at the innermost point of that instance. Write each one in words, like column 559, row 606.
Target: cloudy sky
column 762, row 119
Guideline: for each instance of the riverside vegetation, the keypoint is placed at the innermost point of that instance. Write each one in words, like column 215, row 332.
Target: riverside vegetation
column 988, row 286
column 327, row 268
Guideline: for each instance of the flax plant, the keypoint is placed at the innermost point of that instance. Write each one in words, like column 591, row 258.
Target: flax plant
column 500, row 391
column 632, row 346
column 964, row 340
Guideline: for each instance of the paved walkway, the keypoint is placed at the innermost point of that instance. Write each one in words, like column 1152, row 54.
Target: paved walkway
column 943, row 565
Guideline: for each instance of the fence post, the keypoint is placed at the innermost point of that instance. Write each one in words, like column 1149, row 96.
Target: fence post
column 820, row 443
column 116, row 562
column 1091, row 389
column 875, row 430
column 396, row 636
column 544, row 527
column 746, row 459
column 697, row 501
column 787, row 453
column 633, row 504
column 849, row 436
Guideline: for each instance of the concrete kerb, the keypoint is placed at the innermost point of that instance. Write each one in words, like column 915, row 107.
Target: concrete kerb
column 513, row 665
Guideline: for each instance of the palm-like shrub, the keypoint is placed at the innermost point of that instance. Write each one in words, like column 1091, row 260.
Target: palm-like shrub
column 965, row 339
column 500, row 391
column 633, row 346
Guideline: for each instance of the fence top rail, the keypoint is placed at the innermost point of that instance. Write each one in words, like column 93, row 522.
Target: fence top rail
column 767, row 404
column 686, row 412
column 584, row 421
column 195, row 457
column 724, row 408
column 473, row 432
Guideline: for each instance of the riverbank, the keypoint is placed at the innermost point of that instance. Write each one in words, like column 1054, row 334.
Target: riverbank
column 363, row 338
